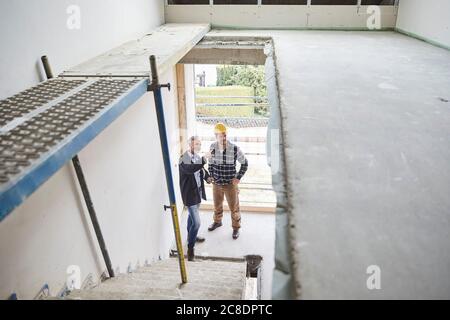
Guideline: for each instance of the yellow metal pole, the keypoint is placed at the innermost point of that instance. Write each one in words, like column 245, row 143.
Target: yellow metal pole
column 155, row 86
column 176, row 227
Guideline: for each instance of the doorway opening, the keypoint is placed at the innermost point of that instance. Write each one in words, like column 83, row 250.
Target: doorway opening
column 236, row 95
column 231, row 81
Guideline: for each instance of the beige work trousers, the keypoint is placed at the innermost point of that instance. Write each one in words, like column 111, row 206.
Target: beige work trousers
column 231, row 192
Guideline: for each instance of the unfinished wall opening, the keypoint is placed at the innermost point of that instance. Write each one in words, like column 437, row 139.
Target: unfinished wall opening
column 236, row 95
column 228, row 85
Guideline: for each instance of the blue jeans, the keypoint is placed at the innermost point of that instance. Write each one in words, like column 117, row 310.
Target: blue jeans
column 193, row 224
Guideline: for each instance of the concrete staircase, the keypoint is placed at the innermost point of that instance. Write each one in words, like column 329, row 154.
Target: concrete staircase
column 208, row 279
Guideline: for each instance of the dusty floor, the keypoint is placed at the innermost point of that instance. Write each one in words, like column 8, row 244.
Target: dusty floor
column 366, row 125
column 257, row 237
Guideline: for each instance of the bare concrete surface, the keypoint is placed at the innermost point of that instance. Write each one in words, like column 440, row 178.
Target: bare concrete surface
column 366, row 127
column 368, row 158
column 207, row 279
column 257, row 237
column 132, row 58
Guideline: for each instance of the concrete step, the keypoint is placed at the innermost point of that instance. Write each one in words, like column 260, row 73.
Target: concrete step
column 98, row 295
column 207, row 279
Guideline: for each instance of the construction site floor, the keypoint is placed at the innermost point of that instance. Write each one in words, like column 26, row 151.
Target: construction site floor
column 257, row 237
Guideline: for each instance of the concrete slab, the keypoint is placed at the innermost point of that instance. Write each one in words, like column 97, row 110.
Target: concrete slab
column 227, row 52
column 366, row 129
column 169, row 43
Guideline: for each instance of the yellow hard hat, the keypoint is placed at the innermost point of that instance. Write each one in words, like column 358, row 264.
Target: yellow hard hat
column 220, row 128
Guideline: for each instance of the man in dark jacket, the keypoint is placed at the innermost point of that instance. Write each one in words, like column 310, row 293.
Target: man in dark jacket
column 192, row 177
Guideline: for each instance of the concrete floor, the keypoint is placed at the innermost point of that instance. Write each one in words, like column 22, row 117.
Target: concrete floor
column 257, row 237
column 366, row 126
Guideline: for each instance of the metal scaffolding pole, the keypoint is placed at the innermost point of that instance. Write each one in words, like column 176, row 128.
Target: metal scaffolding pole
column 85, row 190
column 155, row 86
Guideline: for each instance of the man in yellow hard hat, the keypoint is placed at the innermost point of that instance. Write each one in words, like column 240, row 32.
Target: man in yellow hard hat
column 222, row 167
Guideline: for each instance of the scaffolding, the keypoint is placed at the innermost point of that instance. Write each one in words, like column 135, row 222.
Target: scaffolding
column 46, row 126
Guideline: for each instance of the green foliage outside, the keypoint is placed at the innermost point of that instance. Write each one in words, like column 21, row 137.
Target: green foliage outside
column 235, row 81
column 248, row 76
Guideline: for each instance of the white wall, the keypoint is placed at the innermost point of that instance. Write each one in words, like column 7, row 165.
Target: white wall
column 30, row 29
column 123, row 166
column 427, row 19
column 125, row 174
column 279, row 16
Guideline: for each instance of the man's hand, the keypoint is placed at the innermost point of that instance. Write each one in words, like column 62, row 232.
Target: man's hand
column 235, row 181
column 210, row 180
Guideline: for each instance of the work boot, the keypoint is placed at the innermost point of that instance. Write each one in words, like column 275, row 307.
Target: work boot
column 200, row 239
column 235, row 234
column 190, row 254
column 214, row 226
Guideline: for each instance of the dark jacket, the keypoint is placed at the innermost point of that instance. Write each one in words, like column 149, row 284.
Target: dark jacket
column 190, row 192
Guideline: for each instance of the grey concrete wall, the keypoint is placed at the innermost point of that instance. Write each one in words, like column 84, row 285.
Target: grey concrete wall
column 123, row 166
column 279, row 16
column 427, row 19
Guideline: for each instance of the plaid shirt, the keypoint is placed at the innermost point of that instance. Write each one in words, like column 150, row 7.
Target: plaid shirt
column 222, row 165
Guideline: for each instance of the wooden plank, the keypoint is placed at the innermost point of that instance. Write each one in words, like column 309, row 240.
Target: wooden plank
column 181, row 94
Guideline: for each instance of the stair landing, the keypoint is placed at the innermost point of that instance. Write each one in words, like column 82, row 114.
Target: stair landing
column 207, row 280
